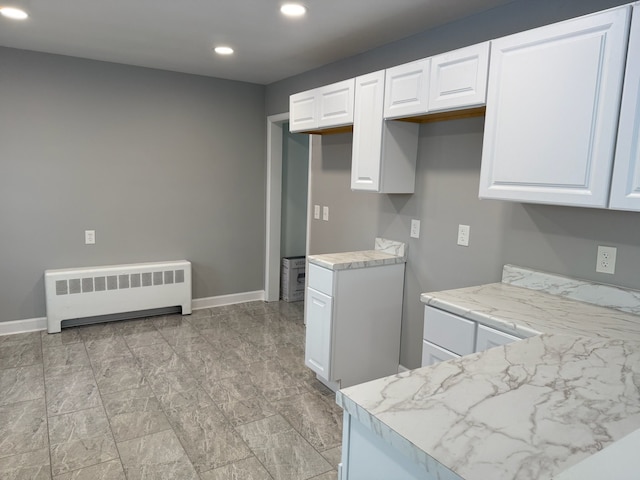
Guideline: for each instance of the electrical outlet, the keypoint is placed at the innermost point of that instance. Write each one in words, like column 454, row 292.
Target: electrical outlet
column 316, row 212
column 89, row 237
column 606, row 261
column 463, row 235
column 325, row 214
column 415, row 229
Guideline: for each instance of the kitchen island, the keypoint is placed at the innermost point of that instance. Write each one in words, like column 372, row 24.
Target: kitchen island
column 527, row 410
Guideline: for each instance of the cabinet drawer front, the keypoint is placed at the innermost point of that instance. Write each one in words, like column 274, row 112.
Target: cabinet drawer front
column 321, row 279
column 459, row 78
column 490, row 337
column 449, row 331
column 432, row 354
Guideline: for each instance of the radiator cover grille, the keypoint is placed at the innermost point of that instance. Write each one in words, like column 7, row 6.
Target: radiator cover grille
column 95, row 291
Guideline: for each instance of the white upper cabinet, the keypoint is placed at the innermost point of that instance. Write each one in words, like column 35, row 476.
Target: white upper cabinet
column 552, row 111
column 384, row 153
column 367, row 132
column 625, row 187
column 325, row 107
column 459, row 79
column 407, row 89
column 336, row 104
column 303, row 113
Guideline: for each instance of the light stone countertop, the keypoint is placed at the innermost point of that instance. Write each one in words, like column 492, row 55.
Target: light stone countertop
column 386, row 252
column 527, row 410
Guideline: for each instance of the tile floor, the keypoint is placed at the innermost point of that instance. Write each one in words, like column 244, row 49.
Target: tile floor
column 221, row 394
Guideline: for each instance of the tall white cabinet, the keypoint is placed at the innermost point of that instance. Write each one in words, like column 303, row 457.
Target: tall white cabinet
column 552, row 108
column 625, row 186
column 384, row 153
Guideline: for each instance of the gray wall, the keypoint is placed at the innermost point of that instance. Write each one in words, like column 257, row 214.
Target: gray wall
column 556, row 239
column 295, row 180
column 162, row 165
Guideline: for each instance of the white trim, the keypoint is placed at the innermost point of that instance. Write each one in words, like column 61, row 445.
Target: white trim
column 35, row 324
column 23, row 326
column 208, row 302
column 402, row 368
column 274, row 206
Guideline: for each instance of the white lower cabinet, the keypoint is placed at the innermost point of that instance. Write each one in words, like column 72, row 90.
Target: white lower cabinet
column 353, row 319
column 447, row 336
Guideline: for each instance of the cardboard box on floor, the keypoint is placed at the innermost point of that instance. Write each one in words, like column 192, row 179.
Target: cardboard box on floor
column 292, row 279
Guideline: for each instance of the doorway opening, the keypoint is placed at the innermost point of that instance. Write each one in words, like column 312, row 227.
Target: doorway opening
column 287, row 196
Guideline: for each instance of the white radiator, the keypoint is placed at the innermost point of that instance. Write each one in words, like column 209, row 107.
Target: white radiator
column 87, row 292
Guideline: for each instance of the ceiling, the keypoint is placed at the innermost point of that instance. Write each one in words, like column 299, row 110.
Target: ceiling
column 179, row 35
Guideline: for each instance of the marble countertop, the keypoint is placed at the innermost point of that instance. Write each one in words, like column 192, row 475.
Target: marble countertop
column 524, row 312
column 386, row 252
column 527, row 410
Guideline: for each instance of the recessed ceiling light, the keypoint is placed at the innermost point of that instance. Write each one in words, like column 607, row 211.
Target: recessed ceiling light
column 293, row 9
column 13, row 13
column 222, row 50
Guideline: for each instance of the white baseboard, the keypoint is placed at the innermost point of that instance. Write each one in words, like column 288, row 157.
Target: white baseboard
column 231, row 299
column 35, row 324
column 23, row 326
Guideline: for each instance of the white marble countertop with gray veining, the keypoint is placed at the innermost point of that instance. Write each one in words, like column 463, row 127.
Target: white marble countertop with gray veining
column 524, row 312
column 386, row 252
column 528, row 410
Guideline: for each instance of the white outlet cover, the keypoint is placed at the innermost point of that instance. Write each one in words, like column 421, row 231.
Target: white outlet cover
column 463, row 235
column 606, row 260
column 325, row 214
column 89, row 237
column 316, row 212
column 415, row 229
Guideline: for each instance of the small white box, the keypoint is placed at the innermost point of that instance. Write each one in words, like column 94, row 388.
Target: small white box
column 292, row 279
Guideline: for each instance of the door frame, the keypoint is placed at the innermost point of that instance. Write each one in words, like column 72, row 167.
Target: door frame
column 274, row 206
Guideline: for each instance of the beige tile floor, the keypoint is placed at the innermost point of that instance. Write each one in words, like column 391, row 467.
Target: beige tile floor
column 221, row 394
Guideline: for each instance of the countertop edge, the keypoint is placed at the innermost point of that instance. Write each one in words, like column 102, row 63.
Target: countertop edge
column 393, row 438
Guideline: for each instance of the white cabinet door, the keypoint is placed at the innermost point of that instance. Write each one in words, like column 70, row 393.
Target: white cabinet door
column 625, row 187
column 303, row 114
column 459, row 78
column 552, row 111
column 406, row 89
column 336, row 104
column 367, row 132
column 488, row 338
column 432, row 354
column 318, row 335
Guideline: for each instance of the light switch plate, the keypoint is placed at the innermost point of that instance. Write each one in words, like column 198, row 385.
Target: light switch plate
column 325, row 214
column 415, row 228
column 316, row 212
